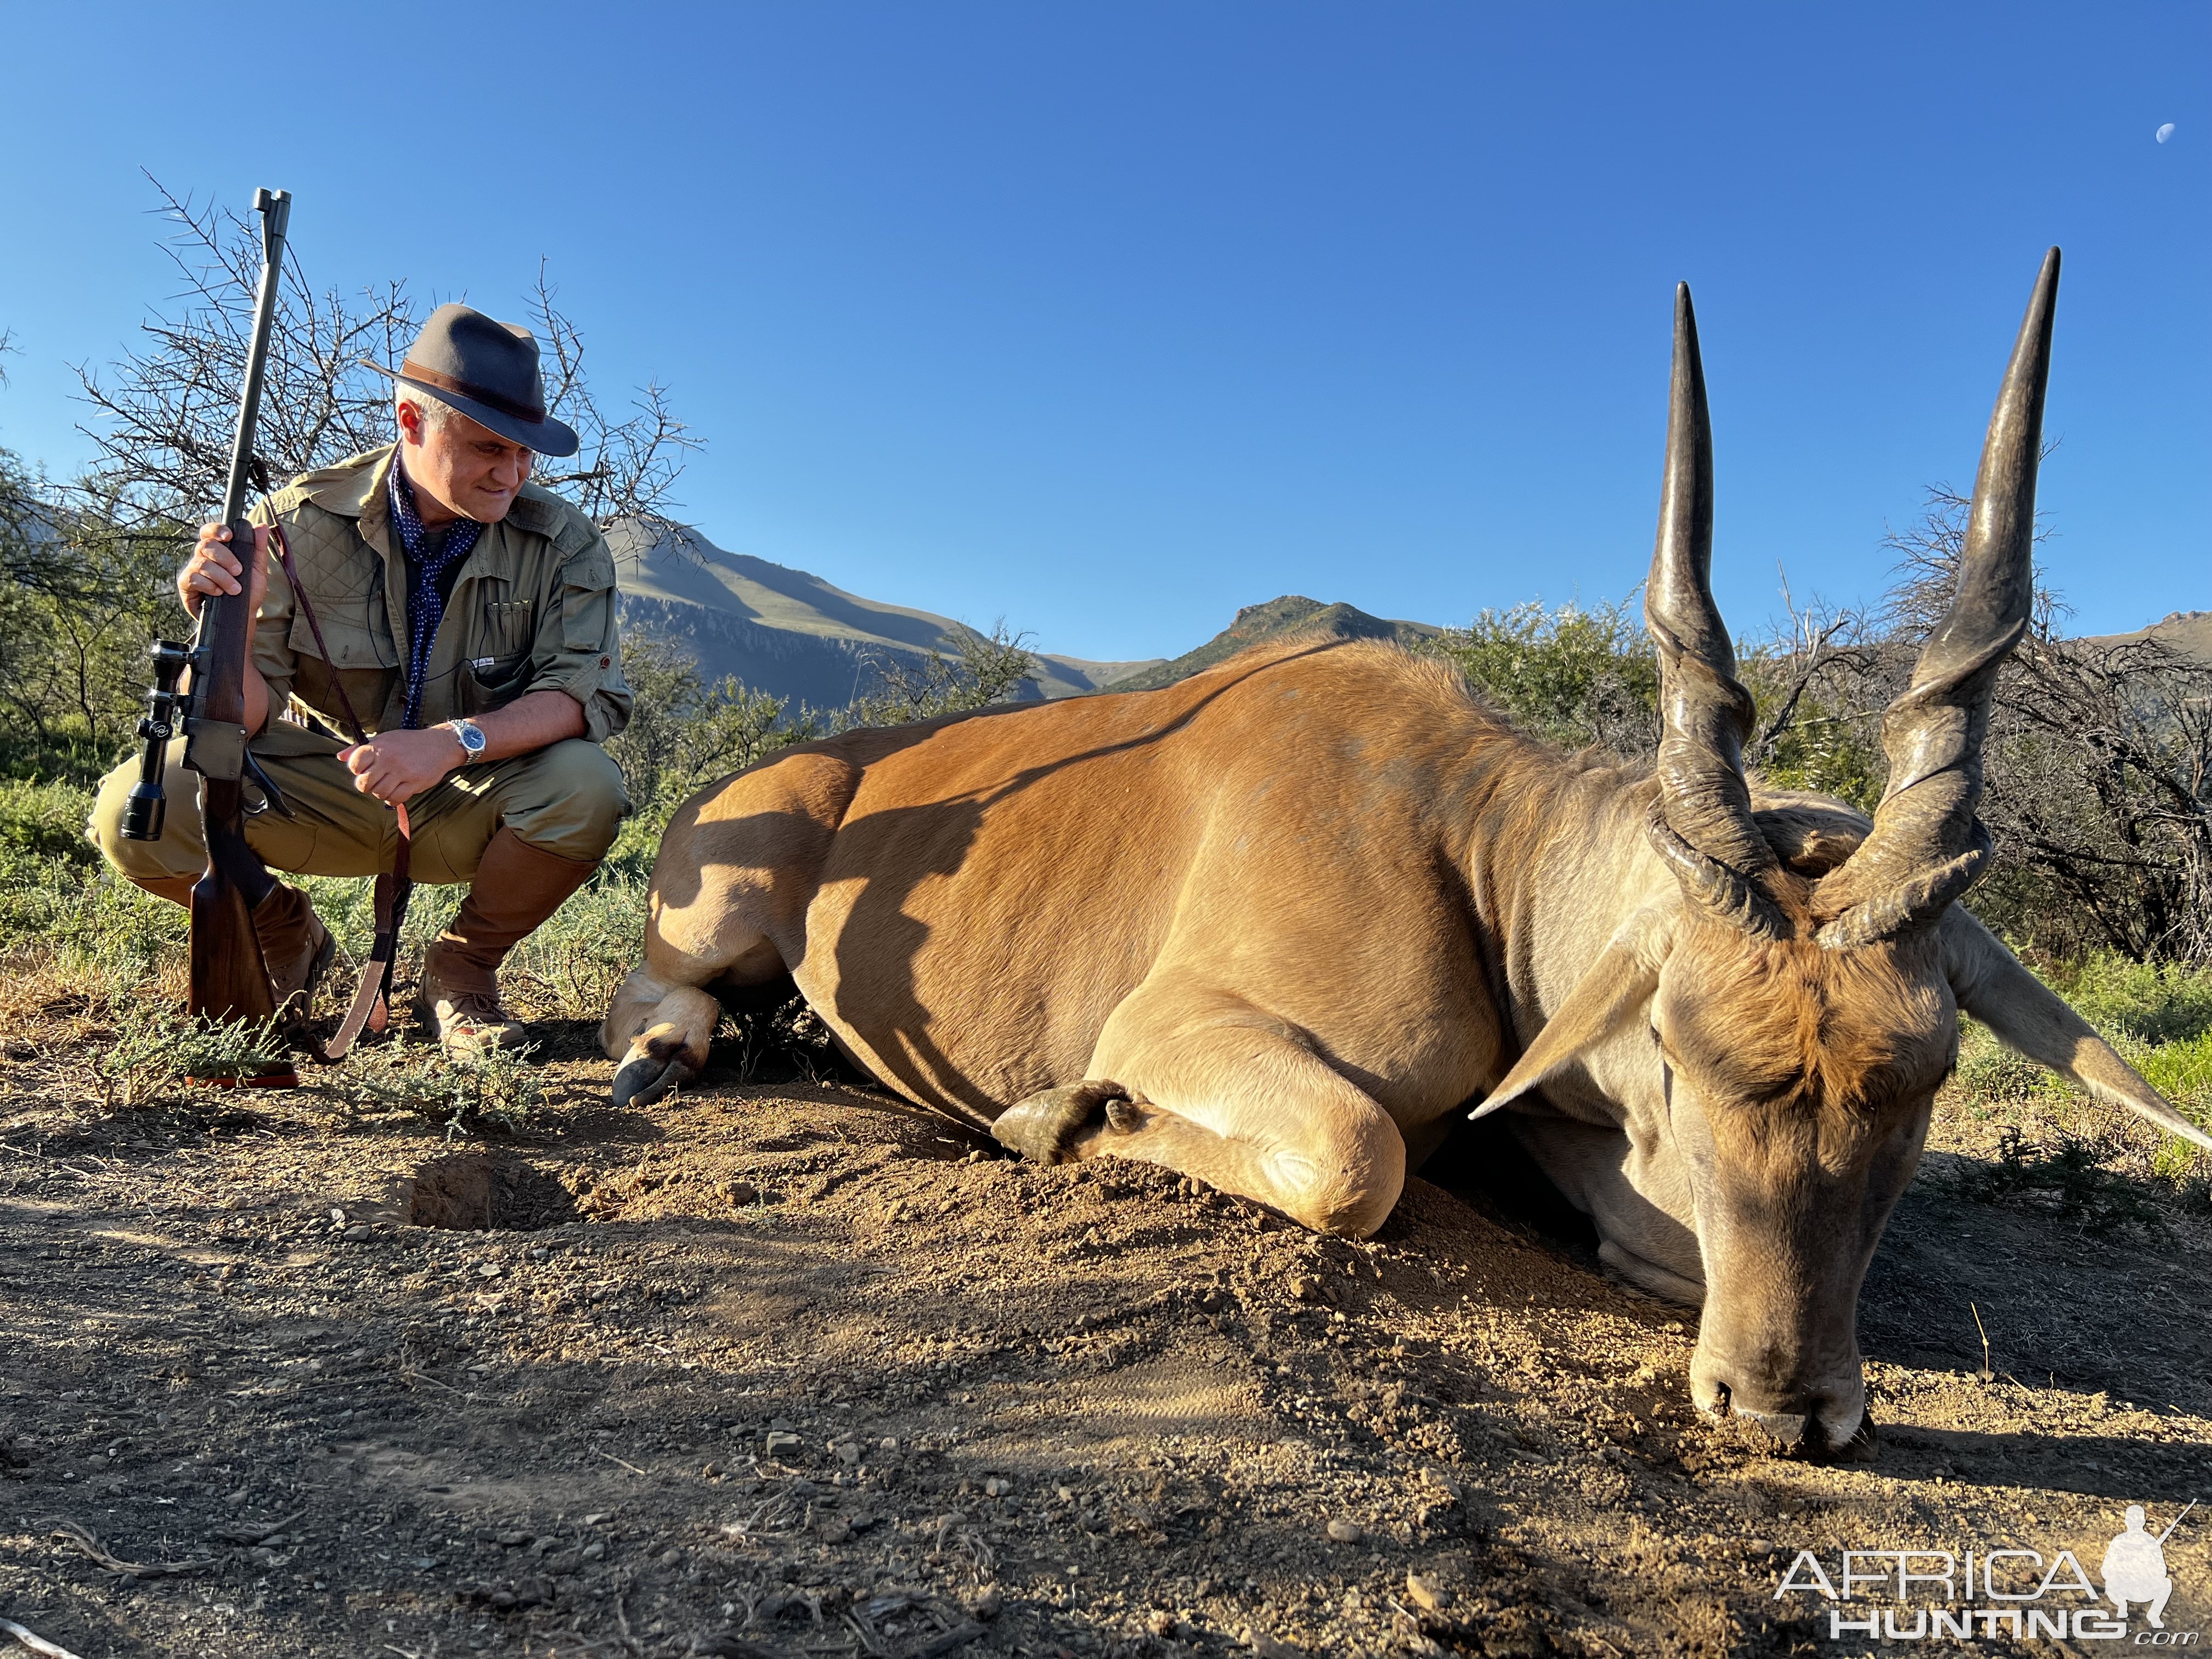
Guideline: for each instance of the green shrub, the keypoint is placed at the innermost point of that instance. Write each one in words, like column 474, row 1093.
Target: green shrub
column 1572, row 677
column 88, row 928
column 1992, row 1074
column 569, row 968
column 46, row 820
column 494, row 1092
column 2066, row 1180
column 160, row 1050
column 2152, row 1002
column 2159, row 1018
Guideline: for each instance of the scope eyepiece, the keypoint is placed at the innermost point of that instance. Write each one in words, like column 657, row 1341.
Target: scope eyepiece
column 144, row 812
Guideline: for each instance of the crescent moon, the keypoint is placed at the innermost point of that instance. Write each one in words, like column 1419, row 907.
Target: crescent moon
column 2166, row 132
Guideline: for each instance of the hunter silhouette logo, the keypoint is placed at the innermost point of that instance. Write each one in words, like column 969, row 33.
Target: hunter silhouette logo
column 1934, row 1595
column 2134, row 1567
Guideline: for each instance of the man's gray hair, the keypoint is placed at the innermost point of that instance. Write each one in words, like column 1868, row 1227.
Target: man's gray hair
column 436, row 411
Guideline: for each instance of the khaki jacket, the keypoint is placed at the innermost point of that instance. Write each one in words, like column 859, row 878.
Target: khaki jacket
column 532, row 610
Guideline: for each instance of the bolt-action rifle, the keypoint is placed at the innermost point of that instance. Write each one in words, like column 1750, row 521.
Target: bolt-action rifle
column 229, row 980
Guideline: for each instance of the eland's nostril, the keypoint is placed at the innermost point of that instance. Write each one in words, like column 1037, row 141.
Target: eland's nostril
column 1787, row 1429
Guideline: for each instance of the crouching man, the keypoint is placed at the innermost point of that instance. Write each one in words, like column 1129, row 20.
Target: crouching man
column 468, row 618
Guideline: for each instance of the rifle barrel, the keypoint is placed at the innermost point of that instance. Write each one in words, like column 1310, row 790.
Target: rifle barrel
column 2176, row 1521
column 275, row 209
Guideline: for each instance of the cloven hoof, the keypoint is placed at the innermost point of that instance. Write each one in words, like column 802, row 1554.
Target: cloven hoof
column 641, row 1081
column 1042, row 1127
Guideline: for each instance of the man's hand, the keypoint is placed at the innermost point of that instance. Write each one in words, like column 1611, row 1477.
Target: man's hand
column 214, row 569
column 398, row 766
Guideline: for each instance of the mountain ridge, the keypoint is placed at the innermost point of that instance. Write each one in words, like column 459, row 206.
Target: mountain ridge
column 789, row 632
column 1291, row 613
column 2188, row 632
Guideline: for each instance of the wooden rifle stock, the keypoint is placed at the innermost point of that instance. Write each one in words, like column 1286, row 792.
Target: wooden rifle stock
column 229, row 979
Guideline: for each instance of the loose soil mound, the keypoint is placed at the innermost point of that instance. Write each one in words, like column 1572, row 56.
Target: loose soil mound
column 793, row 1369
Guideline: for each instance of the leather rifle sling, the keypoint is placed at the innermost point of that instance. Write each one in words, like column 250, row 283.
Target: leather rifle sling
column 393, row 889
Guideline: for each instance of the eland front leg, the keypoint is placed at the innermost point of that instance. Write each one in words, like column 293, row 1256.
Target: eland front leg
column 1214, row 1088
column 725, row 918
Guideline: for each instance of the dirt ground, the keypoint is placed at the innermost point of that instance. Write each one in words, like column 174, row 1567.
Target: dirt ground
column 793, row 1369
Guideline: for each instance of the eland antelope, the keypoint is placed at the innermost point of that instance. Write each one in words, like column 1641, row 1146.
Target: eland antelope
column 1279, row 925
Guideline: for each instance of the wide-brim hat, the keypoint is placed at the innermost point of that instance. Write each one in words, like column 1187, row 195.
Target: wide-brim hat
column 488, row 370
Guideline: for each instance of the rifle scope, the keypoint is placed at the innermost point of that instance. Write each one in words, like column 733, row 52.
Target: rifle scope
column 143, row 812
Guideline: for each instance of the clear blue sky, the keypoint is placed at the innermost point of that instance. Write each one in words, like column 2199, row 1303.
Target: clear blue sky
column 1111, row 318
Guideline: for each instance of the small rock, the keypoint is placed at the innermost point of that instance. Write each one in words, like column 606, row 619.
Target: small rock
column 594, row 1519
column 1426, row 1593
column 832, row 1528
column 1346, row 1532
column 1161, row 1623
column 594, row 1551
column 985, row 1603
column 739, row 1192
column 355, row 1235
column 515, row 1539
column 997, row 1488
column 1438, row 1482
column 849, row 1453
column 1305, row 1287
column 778, row 1443
column 710, row 1472
column 487, row 1270
column 888, row 1443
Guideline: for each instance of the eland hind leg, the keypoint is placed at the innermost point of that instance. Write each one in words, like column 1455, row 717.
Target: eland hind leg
column 1209, row 1086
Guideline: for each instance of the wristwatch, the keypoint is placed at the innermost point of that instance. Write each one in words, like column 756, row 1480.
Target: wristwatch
column 472, row 739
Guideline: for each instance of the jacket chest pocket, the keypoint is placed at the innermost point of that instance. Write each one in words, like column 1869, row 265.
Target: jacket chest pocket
column 489, row 683
column 361, row 664
column 353, row 644
column 497, row 665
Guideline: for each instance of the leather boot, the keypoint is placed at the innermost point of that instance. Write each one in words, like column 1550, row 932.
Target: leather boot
column 295, row 948
column 517, row 886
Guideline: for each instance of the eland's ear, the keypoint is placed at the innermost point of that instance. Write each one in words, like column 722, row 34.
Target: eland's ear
column 1619, row 983
column 1995, row 988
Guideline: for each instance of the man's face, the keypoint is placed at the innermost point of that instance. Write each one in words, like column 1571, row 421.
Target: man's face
column 459, row 469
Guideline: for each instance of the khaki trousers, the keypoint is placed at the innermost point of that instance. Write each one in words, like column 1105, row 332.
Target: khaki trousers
column 565, row 798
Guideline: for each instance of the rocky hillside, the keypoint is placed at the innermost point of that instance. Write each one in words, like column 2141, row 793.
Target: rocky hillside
column 1257, row 623
column 2188, row 632
column 791, row 633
